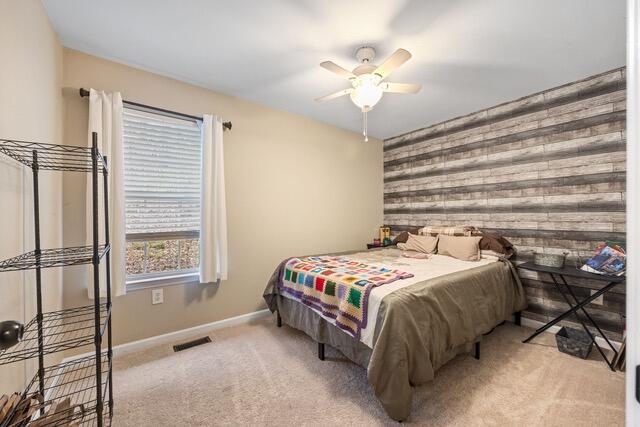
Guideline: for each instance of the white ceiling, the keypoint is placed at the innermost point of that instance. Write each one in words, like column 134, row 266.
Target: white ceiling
column 467, row 54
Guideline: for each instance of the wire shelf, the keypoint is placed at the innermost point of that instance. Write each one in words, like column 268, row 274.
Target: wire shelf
column 53, row 258
column 75, row 380
column 63, row 394
column 62, row 330
column 51, row 156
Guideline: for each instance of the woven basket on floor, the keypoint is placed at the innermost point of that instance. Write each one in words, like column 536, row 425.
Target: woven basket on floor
column 575, row 342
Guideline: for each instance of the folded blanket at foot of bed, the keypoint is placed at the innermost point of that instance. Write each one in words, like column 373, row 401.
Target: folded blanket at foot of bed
column 336, row 287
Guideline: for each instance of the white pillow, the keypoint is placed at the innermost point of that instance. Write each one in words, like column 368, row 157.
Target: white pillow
column 424, row 244
column 490, row 254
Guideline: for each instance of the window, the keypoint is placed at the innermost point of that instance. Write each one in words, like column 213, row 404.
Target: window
column 162, row 197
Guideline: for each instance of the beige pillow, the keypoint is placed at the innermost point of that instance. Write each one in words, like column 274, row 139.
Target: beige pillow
column 464, row 248
column 425, row 244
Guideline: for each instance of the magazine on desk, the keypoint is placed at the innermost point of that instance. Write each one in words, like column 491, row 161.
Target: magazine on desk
column 609, row 258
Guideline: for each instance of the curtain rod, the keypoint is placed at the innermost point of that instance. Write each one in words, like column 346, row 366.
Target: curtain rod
column 225, row 125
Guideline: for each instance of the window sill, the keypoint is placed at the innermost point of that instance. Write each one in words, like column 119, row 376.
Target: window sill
column 162, row 281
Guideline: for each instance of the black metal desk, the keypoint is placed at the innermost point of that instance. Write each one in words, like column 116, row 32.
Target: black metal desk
column 560, row 282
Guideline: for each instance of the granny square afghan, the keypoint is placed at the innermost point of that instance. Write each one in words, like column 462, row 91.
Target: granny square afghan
column 336, row 287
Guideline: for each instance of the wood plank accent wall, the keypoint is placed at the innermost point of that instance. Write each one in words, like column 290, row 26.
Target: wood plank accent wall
column 547, row 171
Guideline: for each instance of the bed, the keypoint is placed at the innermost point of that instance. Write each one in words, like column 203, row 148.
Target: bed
column 415, row 324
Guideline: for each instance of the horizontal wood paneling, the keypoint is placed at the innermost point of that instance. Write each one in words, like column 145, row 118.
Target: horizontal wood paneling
column 547, row 171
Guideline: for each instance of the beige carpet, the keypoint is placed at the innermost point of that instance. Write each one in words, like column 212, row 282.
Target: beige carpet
column 258, row 374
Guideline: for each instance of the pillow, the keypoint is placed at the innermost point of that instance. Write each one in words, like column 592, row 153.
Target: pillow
column 402, row 237
column 424, row 244
column 496, row 243
column 448, row 230
column 490, row 254
column 464, row 248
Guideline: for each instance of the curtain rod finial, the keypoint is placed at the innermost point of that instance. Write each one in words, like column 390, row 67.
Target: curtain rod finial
column 83, row 92
column 227, row 125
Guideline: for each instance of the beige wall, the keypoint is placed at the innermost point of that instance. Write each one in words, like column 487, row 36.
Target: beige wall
column 294, row 186
column 30, row 109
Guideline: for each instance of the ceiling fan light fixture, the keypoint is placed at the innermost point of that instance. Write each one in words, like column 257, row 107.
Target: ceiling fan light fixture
column 366, row 91
column 366, row 80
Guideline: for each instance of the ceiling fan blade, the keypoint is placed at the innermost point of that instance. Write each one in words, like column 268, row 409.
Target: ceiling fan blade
column 335, row 68
column 398, row 58
column 401, row 87
column 335, row 95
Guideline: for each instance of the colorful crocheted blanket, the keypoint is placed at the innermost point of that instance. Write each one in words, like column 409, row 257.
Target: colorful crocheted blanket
column 336, row 287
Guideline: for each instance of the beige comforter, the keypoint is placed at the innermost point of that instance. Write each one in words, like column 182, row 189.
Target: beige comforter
column 418, row 327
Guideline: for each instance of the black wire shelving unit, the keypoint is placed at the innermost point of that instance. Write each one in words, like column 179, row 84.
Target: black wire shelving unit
column 87, row 381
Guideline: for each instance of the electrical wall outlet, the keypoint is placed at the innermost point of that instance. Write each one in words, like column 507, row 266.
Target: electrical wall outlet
column 157, row 296
column 599, row 300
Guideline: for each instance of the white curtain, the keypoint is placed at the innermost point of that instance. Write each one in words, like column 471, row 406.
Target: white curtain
column 213, row 209
column 105, row 118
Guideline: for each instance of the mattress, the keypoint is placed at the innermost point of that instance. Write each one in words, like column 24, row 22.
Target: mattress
column 422, row 269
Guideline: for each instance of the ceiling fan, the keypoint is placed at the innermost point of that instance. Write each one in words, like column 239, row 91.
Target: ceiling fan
column 367, row 80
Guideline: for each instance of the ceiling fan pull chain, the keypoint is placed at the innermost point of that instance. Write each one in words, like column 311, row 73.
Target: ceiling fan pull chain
column 364, row 125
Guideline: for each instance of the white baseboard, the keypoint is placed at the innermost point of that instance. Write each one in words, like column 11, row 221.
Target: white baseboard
column 535, row 324
column 182, row 334
column 176, row 336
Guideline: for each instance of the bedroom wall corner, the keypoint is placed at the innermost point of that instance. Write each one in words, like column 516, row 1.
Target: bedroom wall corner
column 276, row 166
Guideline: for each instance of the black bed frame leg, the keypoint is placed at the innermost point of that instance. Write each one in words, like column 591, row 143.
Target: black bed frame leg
column 476, row 350
column 517, row 318
column 321, row 351
column 278, row 319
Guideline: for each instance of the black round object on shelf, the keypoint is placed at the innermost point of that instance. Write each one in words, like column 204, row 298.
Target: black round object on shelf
column 10, row 333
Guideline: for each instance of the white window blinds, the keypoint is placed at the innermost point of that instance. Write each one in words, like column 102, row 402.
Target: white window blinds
column 162, row 174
